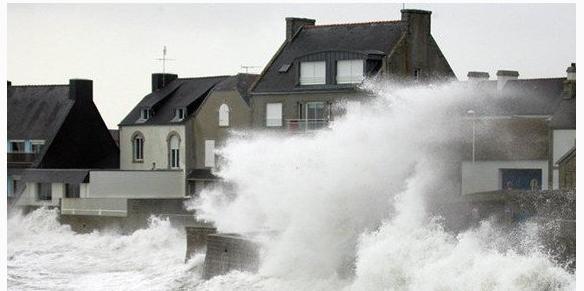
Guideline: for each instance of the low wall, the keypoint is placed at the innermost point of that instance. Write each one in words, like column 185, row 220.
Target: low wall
column 229, row 252
column 136, row 184
column 197, row 239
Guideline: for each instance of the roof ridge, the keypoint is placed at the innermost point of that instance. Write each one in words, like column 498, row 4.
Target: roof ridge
column 353, row 23
column 206, row 77
column 549, row 78
column 39, row 85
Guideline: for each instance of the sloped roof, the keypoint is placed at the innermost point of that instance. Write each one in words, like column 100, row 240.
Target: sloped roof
column 240, row 83
column 71, row 176
column 37, row 112
column 367, row 38
column 182, row 92
column 518, row 97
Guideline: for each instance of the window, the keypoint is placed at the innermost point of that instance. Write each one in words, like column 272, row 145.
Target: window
column 72, row 190
column 273, row 114
column 37, row 146
column 417, row 73
column 224, row 115
column 138, row 147
column 17, row 146
column 180, row 113
column 210, row 153
column 350, row 71
column 145, row 114
column 174, row 151
column 521, row 179
column 312, row 73
column 44, row 191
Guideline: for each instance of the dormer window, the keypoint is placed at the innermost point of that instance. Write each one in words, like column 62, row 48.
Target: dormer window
column 350, row 71
column 179, row 114
column 312, row 73
column 145, row 114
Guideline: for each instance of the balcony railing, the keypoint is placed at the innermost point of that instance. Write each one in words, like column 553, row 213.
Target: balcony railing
column 304, row 125
column 21, row 160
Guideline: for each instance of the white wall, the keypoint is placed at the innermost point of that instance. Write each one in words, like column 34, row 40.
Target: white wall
column 29, row 196
column 136, row 184
column 485, row 175
column 564, row 140
column 155, row 146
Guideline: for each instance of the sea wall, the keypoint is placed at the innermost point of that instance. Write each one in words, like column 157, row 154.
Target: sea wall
column 197, row 239
column 228, row 252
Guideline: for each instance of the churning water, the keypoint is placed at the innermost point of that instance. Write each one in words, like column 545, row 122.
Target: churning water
column 347, row 205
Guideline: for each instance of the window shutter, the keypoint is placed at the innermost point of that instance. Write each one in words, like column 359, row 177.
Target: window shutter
column 210, row 153
column 312, row 73
column 349, row 71
column 224, row 115
column 274, row 114
column 28, row 146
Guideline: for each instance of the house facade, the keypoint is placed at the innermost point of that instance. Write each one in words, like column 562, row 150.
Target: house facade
column 517, row 131
column 319, row 66
column 167, row 146
column 55, row 134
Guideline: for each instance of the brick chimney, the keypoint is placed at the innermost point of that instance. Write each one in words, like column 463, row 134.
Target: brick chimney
column 81, row 90
column 160, row 80
column 294, row 24
column 477, row 76
column 8, row 84
column 571, row 72
column 503, row 76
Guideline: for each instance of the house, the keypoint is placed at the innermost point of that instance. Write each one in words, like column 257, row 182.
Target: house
column 55, row 134
column 517, row 132
column 167, row 147
column 318, row 66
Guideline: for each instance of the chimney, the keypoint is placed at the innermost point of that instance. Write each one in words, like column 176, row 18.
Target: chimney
column 571, row 72
column 159, row 80
column 418, row 39
column 81, row 90
column 294, row 24
column 570, row 83
column 503, row 76
column 477, row 76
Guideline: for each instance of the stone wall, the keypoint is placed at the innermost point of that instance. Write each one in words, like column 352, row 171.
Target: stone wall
column 197, row 239
column 229, row 252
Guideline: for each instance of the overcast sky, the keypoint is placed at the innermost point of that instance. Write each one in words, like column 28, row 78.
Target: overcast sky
column 116, row 45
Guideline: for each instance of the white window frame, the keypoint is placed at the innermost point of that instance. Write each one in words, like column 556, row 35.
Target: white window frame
column 180, row 114
column 224, row 115
column 17, row 141
column 313, row 73
column 350, row 71
column 138, row 148
column 274, row 119
column 210, row 153
column 145, row 114
column 174, row 152
column 33, row 143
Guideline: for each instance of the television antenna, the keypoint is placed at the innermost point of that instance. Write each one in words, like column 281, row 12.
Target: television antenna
column 164, row 59
column 246, row 68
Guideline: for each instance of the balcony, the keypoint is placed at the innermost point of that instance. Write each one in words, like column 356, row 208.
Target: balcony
column 306, row 125
column 21, row 160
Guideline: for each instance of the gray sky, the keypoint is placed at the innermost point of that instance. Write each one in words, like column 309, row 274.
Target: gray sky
column 115, row 45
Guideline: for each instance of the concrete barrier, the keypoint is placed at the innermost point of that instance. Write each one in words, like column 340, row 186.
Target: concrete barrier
column 229, row 252
column 197, row 239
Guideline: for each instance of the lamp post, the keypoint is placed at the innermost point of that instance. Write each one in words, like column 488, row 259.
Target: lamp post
column 472, row 114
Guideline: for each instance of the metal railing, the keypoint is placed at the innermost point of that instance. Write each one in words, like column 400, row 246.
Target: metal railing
column 304, row 125
column 23, row 159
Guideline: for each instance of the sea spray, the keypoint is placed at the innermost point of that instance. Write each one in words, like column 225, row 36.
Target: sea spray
column 355, row 197
column 43, row 254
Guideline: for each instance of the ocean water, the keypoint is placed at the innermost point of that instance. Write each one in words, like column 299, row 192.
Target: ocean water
column 348, row 204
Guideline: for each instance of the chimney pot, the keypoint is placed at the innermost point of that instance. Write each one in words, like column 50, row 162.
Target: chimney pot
column 293, row 24
column 505, row 75
column 160, row 80
column 81, row 89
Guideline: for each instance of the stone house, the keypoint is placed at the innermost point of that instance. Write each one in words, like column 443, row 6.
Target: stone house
column 167, row 146
column 517, row 131
column 55, row 135
column 318, row 66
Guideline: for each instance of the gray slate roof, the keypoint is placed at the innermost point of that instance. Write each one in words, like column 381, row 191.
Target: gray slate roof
column 37, row 112
column 518, row 97
column 71, row 176
column 240, row 82
column 182, row 92
column 565, row 116
column 372, row 37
